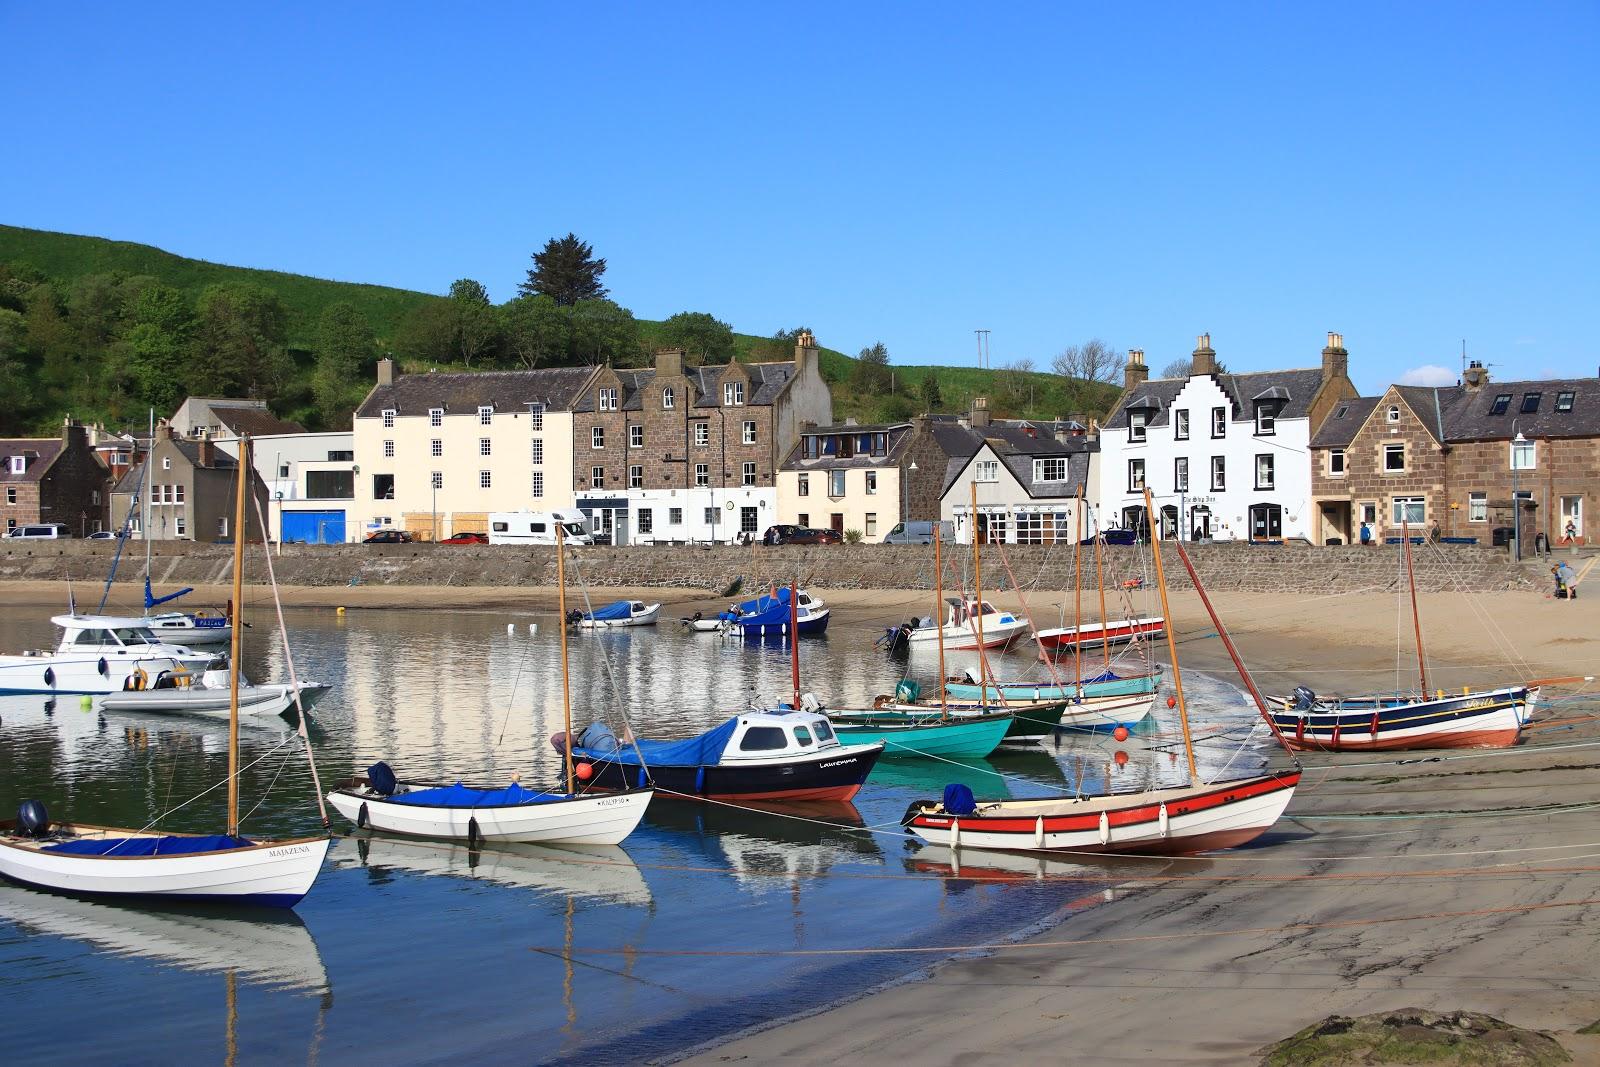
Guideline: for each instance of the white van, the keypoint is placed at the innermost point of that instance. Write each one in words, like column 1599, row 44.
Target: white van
column 42, row 531
column 920, row 532
column 538, row 527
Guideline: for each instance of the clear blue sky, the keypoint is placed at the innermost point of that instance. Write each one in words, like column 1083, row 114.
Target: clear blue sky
column 1409, row 174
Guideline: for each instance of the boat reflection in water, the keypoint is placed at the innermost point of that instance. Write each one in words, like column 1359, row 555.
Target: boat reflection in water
column 597, row 872
column 764, row 846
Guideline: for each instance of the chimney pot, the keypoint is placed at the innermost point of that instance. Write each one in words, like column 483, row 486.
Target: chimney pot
column 1204, row 357
column 1134, row 372
column 1335, row 360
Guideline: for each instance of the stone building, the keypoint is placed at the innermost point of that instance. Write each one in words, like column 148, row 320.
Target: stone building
column 846, row 477
column 53, row 480
column 676, row 453
column 189, row 495
column 1380, row 461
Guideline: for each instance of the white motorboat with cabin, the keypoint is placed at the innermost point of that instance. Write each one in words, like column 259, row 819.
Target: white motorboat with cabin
column 196, row 629
column 97, row 654
column 1000, row 629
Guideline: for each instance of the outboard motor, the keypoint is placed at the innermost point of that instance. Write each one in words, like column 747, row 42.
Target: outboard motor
column 573, row 617
column 381, row 775
column 1304, row 699
column 32, row 819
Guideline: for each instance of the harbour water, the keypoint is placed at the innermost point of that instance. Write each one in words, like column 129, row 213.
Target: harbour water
column 709, row 920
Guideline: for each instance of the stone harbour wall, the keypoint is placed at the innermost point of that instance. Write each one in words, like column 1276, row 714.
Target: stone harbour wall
column 1290, row 569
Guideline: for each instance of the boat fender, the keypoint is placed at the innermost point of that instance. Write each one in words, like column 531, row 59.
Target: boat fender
column 700, row 780
column 1038, row 832
column 361, row 817
column 1300, row 728
column 1162, row 821
column 955, row 834
column 1335, row 740
column 50, row 677
column 1105, row 829
column 474, row 836
column 32, row 818
column 104, row 669
column 1374, row 724
column 643, row 777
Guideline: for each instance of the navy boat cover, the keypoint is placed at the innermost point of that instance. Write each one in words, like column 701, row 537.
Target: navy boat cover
column 958, row 799
column 612, row 612
column 148, row 846
column 704, row 750
column 462, row 796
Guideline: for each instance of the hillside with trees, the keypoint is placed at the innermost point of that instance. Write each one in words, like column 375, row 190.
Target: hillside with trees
column 103, row 330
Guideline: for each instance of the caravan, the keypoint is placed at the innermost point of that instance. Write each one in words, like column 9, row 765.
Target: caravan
column 538, row 527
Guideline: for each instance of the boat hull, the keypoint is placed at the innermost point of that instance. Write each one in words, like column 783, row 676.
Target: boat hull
column 809, row 625
column 964, row 637
column 192, row 633
column 82, row 675
column 836, row 774
column 268, row 874
column 1067, row 638
column 647, row 617
column 1028, row 722
column 973, row 739
column 1038, row 691
column 213, row 703
column 581, row 820
column 1163, row 822
column 1492, row 719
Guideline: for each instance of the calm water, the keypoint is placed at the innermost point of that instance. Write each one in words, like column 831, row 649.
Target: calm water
column 415, row 952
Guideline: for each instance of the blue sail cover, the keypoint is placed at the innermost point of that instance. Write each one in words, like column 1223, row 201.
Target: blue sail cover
column 148, row 846
column 613, row 612
column 1105, row 676
column 765, row 610
column 704, row 750
column 462, row 796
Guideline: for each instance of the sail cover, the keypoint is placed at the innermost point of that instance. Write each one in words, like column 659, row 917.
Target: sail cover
column 616, row 611
column 147, row 846
column 704, row 750
column 462, row 796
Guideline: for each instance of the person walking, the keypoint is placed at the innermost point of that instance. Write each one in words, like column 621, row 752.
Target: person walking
column 1366, row 534
column 1566, row 579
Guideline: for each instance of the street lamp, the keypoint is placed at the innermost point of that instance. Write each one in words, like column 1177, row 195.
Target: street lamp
column 1516, row 501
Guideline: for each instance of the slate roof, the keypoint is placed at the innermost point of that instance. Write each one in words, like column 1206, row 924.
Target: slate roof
column 220, row 461
column 414, row 394
column 256, row 422
column 900, row 436
column 1468, row 419
column 767, row 381
column 1297, row 386
column 1343, row 422
column 42, row 451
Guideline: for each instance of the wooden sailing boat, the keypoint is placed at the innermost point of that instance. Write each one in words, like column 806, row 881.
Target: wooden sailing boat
column 1063, row 639
column 148, row 865
column 1491, row 718
column 377, row 800
column 1198, row 817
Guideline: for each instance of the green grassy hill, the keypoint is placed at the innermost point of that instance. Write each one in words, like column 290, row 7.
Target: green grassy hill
column 67, row 257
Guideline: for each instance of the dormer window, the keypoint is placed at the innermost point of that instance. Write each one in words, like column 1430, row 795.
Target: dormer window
column 1050, row 470
column 1137, row 421
column 1530, row 402
column 809, row 448
column 1394, row 412
column 436, row 416
column 1180, row 424
column 1564, row 401
column 388, row 418
column 1266, row 419
column 608, row 398
column 486, row 415
column 733, row 394
column 19, row 464
column 1502, row 403
column 669, row 399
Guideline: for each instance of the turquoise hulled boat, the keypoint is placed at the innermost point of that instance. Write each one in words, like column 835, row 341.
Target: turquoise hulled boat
column 1102, row 685
column 955, row 739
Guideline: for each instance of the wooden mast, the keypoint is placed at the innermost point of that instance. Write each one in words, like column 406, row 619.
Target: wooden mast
column 566, row 675
column 1077, row 597
column 794, row 639
column 1416, row 619
column 977, row 605
column 1100, row 580
column 237, row 640
column 1172, row 642
column 938, row 605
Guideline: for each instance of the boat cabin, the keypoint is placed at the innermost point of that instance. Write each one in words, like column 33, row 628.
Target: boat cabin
column 84, row 633
column 766, row 735
column 961, row 611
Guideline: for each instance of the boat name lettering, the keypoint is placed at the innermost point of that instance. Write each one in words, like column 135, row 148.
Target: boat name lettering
column 611, row 802
column 289, row 850
column 837, row 763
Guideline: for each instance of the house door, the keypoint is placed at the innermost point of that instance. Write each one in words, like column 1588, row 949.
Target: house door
column 1200, row 523
column 836, row 522
column 1169, row 521
column 1571, row 531
column 1266, row 521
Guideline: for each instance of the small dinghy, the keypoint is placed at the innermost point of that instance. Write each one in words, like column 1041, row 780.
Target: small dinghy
column 757, row 755
column 617, row 613
column 182, row 693
column 698, row 623
column 1106, row 684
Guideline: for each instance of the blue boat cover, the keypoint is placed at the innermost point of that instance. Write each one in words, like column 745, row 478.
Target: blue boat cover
column 958, row 799
column 148, row 846
column 764, row 602
column 463, row 796
column 615, row 611
column 704, row 750
column 1108, row 676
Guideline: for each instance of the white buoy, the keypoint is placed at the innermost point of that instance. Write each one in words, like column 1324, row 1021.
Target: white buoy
column 1038, row 832
column 955, row 833
column 533, row 629
column 511, row 627
column 1163, row 821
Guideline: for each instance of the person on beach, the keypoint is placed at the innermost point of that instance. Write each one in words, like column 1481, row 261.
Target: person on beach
column 1565, row 581
column 1366, row 534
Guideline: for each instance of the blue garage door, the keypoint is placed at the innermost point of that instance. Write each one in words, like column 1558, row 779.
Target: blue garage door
column 313, row 527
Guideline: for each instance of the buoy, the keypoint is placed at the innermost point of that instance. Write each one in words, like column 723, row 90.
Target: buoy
column 339, row 612
column 1105, row 829
column 1172, row 702
column 511, row 627
column 1038, row 832
column 1120, row 733
column 1163, row 821
column 86, row 702
column 533, row 629
column 584, row 771
column 955, row 833
column 1121, row 757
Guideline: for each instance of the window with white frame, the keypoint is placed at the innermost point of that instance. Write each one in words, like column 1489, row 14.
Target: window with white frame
column 597, row 477
column 1180, row 424
column 166, row 463
column 436, row 416
column 388, row 418
column 1267, row 418
column 872, row 524
column 802, row 484
column 1264, row 470
column 1336, row 462
column 1522, row 455
column 536, row 418
column 1050, row 470
column 438, row 479
column 836, row 484
column 1138, row 419
column 749, row 436
column 485, row 480
column 436, row 447
column 986, row 470
column 1180, row 474
column 674, row 516
column 749, row 474
column 711, row 517
column 485, row 446
column 608, row 398
column 1409, row 510
column 537, row 488
column 536, row 451
column 597, row 437
column 635, row 436
column 669, row 398
column 872, row 482
column 1394, row 413
column 732, row 394
column 1394, row 458
column 1219, row 473
column 1219, row 422
column 1136, row 475
column 647, row 521
column 702, row 474
column 388, row 450
column 181, row 526
column 702, row 435
column 485, row 415
column 635, row 477
column 1477, row 507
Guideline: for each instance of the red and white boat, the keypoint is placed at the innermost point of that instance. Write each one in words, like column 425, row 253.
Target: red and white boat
column 1097, row 635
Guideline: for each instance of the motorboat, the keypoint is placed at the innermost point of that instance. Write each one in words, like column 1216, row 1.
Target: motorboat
column 97, row 654
column 963, row 618
column 1062, row 639
column 770, row 615
column 196, row 629
column 183, row 693
column 755, row 755
column 615, row 614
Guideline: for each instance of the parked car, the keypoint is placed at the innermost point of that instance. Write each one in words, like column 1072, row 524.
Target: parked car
column 388, row 537
column 466, row 538
column 42, row 531
column 1114, row 535
column 920, row 532
column 800, row 535
column 102, row 535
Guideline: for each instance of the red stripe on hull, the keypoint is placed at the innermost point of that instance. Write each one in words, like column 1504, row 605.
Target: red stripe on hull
column 1352, row 742
column 1113, row 636
column 833, row 793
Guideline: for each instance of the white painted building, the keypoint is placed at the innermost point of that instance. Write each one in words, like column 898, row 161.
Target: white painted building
column 845, row 477
column 1226, row 456
column 310, row 480
column 1029, row 481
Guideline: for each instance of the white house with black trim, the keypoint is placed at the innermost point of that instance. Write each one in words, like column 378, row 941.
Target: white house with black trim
column 1029, row 475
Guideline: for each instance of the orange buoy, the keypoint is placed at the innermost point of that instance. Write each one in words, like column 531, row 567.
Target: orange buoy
column 1121, row 757
column 1121, row 734
column 584, row 771
column 1172, row 702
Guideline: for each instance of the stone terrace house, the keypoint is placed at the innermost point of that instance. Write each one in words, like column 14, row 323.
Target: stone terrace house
column 846, row 477
column 192, row 490
column 1380, row 461
column 1030, row 477
column 676, row 453
column 436, row 453
column 1226, row 456
column 53, row 479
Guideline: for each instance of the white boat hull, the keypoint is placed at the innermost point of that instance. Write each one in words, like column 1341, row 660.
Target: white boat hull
column 186, row 633
column 964, row 637
column 1101, row 713
column 268, row 874
column 600, row 872
column 594, row 819
column 64, row 674
column 646, row 617
column 270, row 699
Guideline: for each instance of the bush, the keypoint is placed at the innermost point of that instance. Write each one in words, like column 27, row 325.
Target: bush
column 852, row 537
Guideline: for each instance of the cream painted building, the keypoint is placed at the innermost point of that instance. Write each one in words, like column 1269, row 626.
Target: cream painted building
column 845, row 477
column 1029, row 483
column 435, row 453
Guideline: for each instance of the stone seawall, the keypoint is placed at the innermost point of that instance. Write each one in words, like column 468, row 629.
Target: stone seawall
column 1290, row 569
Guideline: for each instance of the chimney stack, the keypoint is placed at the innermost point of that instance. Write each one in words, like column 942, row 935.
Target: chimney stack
column 1134, row 372
column 1205, row 357
column 1475, row 377
column 208, row 452
column 805, row 355
column 979, row 418
column 669, row 363
column 385, row 371
column 1335, row 360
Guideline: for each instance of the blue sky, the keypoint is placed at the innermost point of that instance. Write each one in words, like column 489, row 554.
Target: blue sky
column 1409, row 174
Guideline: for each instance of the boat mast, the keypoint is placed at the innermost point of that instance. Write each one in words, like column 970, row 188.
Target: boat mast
column 938, row 605
column 566, row 677
column 977, row 603
column 1105, row 621
column 794, row 639
column 149, row 472
column 1172, row 642
column 237, row 638
column 1077, row 597
column 1416, row 619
